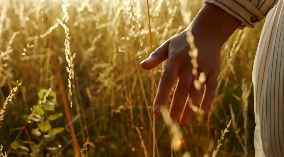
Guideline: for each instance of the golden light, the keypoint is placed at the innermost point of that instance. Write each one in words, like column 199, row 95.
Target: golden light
column 180, row 142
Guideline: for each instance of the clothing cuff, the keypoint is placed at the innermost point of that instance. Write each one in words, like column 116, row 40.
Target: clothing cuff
column 243, row 10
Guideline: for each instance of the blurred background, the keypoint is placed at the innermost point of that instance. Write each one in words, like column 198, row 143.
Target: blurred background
column 79, row 61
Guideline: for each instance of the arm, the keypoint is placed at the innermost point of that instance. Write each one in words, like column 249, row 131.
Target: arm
column 211, row 28
column 249, row 12
column 223, row 18
column 212, row 22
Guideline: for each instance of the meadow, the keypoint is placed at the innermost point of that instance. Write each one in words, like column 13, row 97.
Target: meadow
column 71, row 83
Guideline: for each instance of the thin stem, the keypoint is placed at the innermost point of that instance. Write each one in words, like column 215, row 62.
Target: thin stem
column 152, row 82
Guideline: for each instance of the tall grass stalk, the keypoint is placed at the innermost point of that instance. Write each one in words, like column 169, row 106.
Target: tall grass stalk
column 236, row 129
column 69, row 58
column 2, row 112
column 8, row 99
column 245, row 94
column 142, row 142
column 110, row 38
column 1, row 152
column 221, row 139
column 152, row 84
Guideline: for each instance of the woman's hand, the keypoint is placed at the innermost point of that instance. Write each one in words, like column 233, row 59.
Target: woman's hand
column 209, row 35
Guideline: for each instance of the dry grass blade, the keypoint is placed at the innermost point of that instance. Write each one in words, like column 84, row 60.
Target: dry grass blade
column 9, row 48
column 236, row 127
column 8, row 99
column 1, row 153
column 69, row 58
column 220, row 140
column 142, row 142
column 110, row 38
column 2, row 111
column 245, row 94
column 152, row 85
column 174, row 130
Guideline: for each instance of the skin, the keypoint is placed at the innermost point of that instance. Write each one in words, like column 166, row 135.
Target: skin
column 210, row 29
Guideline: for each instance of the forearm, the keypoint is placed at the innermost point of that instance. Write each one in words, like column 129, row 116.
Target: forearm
column 214, row 24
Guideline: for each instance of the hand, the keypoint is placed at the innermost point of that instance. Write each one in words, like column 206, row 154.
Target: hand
column 176, row 51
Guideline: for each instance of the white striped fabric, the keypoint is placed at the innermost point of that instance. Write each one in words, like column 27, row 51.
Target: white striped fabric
column 250, row 12
column 268, row 79
column 268, row 71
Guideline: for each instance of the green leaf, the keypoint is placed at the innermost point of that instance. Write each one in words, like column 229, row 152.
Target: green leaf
column 54, row 116
column 44, row 127
column 36, row 132
column 52, row 94
column 15, row 145
column 24, row 148
column 41, row 93
column 22, row 153
column 48, row 108
column 56, row 131
column 38, row 110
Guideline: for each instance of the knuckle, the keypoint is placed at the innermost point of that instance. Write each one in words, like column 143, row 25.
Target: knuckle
column 180, row 52
column 168, row 74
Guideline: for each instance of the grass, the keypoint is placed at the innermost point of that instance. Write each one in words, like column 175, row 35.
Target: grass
column 88, row 54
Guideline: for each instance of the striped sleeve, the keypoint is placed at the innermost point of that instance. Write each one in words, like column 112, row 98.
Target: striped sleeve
column 250, row 12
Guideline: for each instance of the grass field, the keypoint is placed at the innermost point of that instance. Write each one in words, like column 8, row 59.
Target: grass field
column 80, row 63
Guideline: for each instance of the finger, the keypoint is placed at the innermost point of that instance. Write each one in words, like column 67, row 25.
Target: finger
column 166, row 83
column 195, row 95
column 187, row 115
column 156, row 57
column 210, row 89
column 180, row 96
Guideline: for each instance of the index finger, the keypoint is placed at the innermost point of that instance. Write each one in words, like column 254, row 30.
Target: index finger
column 165, row 85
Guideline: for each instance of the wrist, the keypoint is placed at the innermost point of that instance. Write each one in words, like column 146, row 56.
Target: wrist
column 214, row 25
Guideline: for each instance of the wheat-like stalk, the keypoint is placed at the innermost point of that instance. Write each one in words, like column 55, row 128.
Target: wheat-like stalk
column 8, row 99
column 49, row 30
column 1, row 153
column 2, row 17
column 220, row 140
column 236, row 127
column 5, row 56
column 65, row 11
column 69, row 56
column 174, row 129
column 142, row 142
column 245, row 115
column 186, row 154
column 186, row 15
column 193, row 53
column 9, row 48
column 45, row 96
column 2, row 111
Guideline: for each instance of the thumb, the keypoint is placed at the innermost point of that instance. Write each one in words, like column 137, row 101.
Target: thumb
column 156, row 57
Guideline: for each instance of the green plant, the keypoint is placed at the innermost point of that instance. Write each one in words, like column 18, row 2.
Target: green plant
column 41, row 117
